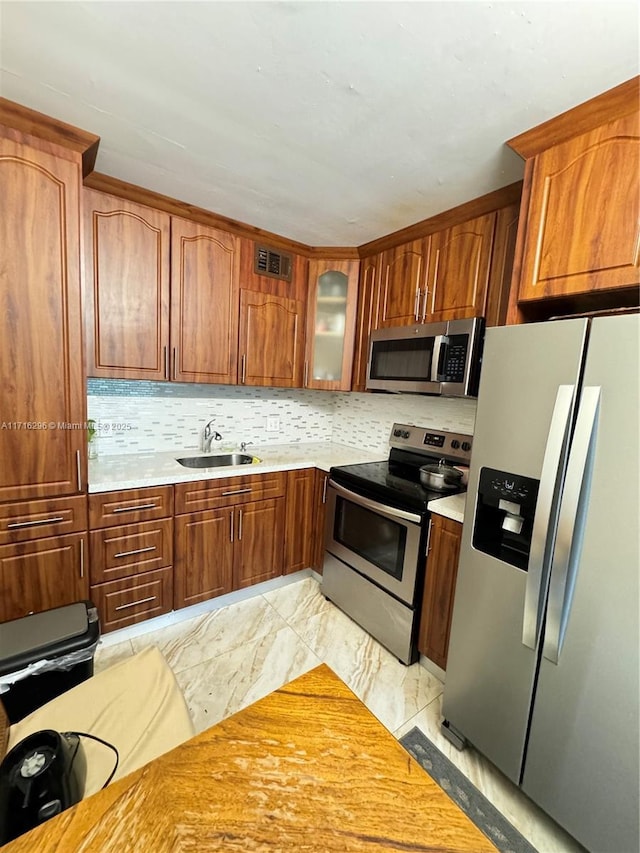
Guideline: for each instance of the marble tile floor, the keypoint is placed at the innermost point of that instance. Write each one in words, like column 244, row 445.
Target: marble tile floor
column 226, row 659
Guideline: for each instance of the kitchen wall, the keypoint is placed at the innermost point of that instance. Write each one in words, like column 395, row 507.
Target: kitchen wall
column 135, row 417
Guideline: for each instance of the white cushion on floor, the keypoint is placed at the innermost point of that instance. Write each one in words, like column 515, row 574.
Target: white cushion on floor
column 136, row 705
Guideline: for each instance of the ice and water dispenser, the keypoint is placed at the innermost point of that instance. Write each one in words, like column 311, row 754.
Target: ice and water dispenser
column 503, row 525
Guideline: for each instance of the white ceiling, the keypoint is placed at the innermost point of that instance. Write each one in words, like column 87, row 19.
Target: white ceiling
column 332, row 123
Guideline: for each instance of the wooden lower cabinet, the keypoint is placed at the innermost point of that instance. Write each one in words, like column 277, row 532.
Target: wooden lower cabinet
column 439, row 589
column 320, row 502
column 300, row 526
column 43, row 573
column 133, row 599
column 259, row 542
column 229, row 548
column 131, row 537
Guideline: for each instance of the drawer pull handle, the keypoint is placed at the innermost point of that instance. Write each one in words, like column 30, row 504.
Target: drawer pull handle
column 134, row 603
column 136, row 551
column 82, row 559
column 236, row 492
column 15, row 525
column 134, row 508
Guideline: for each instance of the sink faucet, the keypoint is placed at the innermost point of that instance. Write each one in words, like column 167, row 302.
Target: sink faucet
column 209, row 434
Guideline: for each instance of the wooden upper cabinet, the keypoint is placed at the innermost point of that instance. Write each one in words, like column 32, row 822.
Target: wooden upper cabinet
column 205, row 271
column 366, row 319
column 42, row 439
column 271, row 340
column 126, row 288
column 459, row 270
column 504, row 244
column 331, row 317
column 582, row 226
column 403, row 284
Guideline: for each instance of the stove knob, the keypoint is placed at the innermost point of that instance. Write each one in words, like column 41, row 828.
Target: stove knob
column 455, row 444
column 397, row 433
column 466, row 446
column 405, row 434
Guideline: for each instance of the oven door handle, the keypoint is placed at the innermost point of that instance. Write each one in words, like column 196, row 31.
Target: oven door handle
column 383, row 509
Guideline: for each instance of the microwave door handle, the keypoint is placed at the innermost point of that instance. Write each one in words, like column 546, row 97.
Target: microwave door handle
column 439, row 342
column 539, row 559
column 571, row 522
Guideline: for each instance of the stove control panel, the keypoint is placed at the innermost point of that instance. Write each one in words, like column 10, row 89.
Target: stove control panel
column 451, row 445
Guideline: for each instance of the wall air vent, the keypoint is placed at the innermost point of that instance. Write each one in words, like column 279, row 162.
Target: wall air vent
column 272, row 263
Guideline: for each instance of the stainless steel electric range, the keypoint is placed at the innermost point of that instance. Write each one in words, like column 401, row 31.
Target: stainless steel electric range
column 377, row 534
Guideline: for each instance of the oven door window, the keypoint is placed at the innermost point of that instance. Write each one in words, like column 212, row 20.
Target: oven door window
column 373, row 537
column 402, row 359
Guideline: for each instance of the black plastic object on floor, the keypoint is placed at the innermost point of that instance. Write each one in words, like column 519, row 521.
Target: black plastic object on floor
column 472, row 802
column 45, row 654
column 42, row 776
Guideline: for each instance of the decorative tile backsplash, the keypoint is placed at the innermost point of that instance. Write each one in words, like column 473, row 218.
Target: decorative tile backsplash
column 136, row 417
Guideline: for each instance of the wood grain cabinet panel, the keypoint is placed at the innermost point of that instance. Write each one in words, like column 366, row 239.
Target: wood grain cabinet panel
column 125, row 279
column 333, row 299
column 228, row 491
column 502, row 258
column 133, row 599
column 203, row 556
column 439, row 590
column 300, row 526
column 113, row 509
column 403, row 284
column 41, row 574
column 259, row 544
column 40, row 519
column 42, row 439
column 119, row 552
column 367, row 318
column 205, row 272
column 271, row 340
column 583, row 214
column 459, row 270
column 322, row 480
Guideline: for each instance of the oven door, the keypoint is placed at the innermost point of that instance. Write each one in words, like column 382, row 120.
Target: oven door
column 378, row 541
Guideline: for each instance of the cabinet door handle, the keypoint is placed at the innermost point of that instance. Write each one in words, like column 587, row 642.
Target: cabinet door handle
column 79, row 470
column 243, row 371
column 82, row 559
column 231, row 526
column 165, row 358
column 15, row 525
column 324, row 489
column 134, row 603
column 237, row 492
column 240, row 526
column 135, row 551
column 428, row 547
column 416, row 306
column 175, row 362
column 134, row 508
column 424, row 304
column 306, row 374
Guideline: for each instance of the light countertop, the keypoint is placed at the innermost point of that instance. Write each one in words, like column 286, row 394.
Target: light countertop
column 136, row 470
column 450, row 507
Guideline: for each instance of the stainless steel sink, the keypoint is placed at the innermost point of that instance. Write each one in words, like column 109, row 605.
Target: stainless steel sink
column 218, row 460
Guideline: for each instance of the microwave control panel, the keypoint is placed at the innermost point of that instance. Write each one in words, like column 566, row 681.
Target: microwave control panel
column 455, row 359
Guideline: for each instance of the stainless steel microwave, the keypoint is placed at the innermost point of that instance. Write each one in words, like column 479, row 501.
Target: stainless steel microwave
column 429, row 358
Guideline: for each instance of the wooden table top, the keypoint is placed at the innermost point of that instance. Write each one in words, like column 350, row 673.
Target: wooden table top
column 307, row 768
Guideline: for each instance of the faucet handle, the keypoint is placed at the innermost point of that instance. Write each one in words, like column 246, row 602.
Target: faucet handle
column 243, row 445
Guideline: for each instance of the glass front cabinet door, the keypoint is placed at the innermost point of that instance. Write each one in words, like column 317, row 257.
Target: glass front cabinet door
column 333, row 296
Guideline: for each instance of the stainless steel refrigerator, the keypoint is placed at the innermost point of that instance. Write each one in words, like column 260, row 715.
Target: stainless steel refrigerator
column 543, row 665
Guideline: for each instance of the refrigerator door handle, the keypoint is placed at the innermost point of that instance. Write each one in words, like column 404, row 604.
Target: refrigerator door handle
column 543, row 522
column 571, row 523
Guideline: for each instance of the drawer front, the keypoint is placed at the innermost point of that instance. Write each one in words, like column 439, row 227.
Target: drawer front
column 211, row 494
column 113, row 509
column 118, row 552
column 27, row 520
column 132, row 600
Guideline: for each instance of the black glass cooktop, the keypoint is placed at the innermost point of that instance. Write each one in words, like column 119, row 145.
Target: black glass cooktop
column 394, row 481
